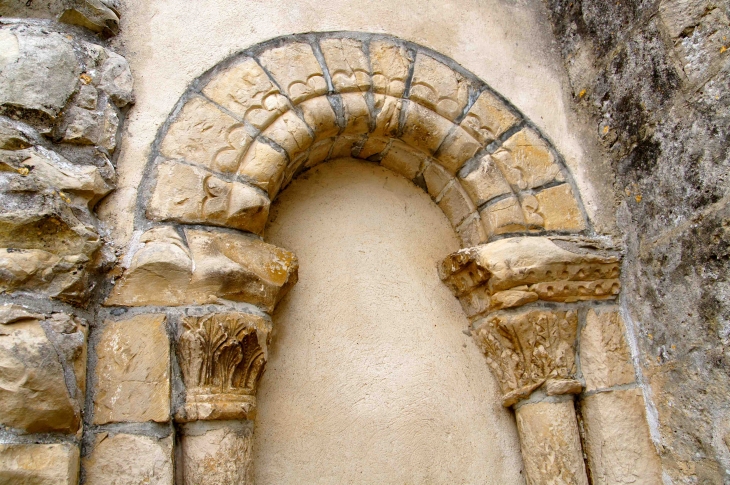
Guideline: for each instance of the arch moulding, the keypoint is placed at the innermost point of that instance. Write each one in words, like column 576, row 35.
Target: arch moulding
column 530, row 275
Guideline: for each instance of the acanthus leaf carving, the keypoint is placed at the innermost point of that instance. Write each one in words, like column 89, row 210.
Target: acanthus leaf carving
column 222, row 357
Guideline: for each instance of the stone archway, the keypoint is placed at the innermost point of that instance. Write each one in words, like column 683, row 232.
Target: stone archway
column 246, row 128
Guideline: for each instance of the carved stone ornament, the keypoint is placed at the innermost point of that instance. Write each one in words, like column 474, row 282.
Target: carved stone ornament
column 222, row 356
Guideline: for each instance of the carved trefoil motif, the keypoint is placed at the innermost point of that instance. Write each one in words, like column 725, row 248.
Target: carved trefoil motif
column 222, row 357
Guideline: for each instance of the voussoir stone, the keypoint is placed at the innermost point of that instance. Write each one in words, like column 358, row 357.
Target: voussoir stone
column 296, row 70
column 526, row 161
column 186, row 193
column 488, row 118
column 347, row 64
column 132, row 371
column 123, row 459
column 438, row 87
column 39, row 464
column 44, row 364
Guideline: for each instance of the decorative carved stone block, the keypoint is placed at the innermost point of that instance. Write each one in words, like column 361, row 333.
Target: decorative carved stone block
column 347, row 64
column 485, row 182
column 526, row 349
column 390, row 65
column 189, row 194
column 204, row 135
column 558, row 209
column 290, row 133
column 296, row 71
column 438, row 87
column 526, row 161
column 222, row 357
column 246, row 90
column 488, row 118
column 458, row 147
column 264, row 166
column 132, row 371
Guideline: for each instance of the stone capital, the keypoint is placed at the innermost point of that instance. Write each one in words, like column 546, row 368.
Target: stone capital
column 221, row 356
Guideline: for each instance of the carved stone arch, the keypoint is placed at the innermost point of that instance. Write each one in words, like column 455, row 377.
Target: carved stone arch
column 251, row 124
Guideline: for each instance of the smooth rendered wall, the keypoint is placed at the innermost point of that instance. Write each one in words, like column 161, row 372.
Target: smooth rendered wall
column 370, row 377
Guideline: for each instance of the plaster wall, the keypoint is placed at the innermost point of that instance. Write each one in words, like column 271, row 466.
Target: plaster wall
column 370, row 378
column 169, row 43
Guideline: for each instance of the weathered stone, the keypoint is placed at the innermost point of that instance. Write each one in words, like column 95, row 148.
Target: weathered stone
column 551, row 449
column 488, row 118
column 36, row 464
column 44, row 365
column 503, row 216
column 471, row 231
column 189, row 194
column 296, row 70
column 485, row 182
column 109, row 128
column 217, row 453
column 357, row 113
column 246, row 90
column 217, row 266
column 604, row 355
column 222, row 357
column 436, row 179
column 264, row 166
column 87, row 97
column 558, row 209
column 424, row 129
column 204, row 135
column 390, row 65
column 38, row 72
column 457, row 148
column 526, row 161
column 346, row 146
column 616, row 437
column 12, row 137
column 290, row 133
column 526, row 349
column 558, row 387
column 116, row 79
column 320, row 117
column 455, row 203
column 94, row 15
column 347, row 64
column 376, row 148
column 132, row 371
column 438, row 87
column 512, row 298
column 125, row 458
column 402, row 159
column 387, row 115
column 82, row 126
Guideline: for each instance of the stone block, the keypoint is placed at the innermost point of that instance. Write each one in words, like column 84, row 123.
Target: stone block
column 43, row 362
column 424, row 129
column 357, row 113
column 295, row 70
column 436, row 179
column 387, row 118
column 94, row 15
column 264, row 166
column 617, row 441
column 526, row 161
column 347, row 64
column 217, row 453
column 319, row 152
column 188, row 194
column 471, row 232
column 558, row 209
column 36, row 464
column 456, row 204
column 38, row 72
column 390, row 64
column 488, row 118
column 457, row 148
column 485, row 182
column 290, row 133
column 217, row 265
column 438, row 87
column 551, row 448
column 346, row 146
column 374, row 148
column 247, row 91
column 123, row 459
column 403, row 159
column 503, row 216
column 132, row 371
column 204, row 135
column 115, row 79
column 320, row 117
column 604, row 355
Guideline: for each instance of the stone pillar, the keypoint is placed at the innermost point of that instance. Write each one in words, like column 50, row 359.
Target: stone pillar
column 221, row 356
column 530, row 346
